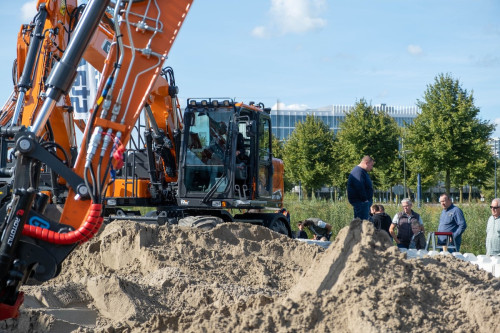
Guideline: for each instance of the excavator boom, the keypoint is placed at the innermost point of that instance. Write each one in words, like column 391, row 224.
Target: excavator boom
column 129, row 43
column 212, row 164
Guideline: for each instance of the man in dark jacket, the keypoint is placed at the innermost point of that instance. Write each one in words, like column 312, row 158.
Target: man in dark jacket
column 360, row 188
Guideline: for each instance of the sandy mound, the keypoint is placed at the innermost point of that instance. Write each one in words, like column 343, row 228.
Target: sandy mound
column 143, row 278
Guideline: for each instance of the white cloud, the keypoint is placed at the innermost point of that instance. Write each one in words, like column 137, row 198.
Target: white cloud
column 414, row 49
column 28, row 11
column 383, row 94
column 292, row 17
column 496, row 121
column 291, row 107
column 260, row 32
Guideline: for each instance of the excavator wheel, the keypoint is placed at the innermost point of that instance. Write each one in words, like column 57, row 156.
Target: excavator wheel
column 278, row 225
column 200, row 222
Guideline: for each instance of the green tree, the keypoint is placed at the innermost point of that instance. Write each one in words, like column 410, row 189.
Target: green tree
column 278, row 147
column 279, row 152
column 447, row 137
column 308, row 154
column 477, row 172
column 366, row 131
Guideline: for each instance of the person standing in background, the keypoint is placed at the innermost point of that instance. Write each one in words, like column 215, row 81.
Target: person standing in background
column 360, row 188
column 402, row 222
column 451, row 220
column 493, row 229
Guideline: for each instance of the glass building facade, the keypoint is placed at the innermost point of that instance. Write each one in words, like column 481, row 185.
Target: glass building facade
column 284, row 121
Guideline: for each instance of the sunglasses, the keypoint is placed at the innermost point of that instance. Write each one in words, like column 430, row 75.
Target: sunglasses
column 494, row 207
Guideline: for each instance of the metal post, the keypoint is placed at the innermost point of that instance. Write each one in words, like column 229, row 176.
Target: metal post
column 495, row 141
column 495, row 156
column 495, row 173
column 404, row 173
column 300, row 190
column 404, row 170
column 419, row 190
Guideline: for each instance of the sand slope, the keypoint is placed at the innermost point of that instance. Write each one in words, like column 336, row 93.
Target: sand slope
column 239, row 278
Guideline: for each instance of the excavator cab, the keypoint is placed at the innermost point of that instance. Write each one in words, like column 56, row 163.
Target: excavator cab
column 226, row 157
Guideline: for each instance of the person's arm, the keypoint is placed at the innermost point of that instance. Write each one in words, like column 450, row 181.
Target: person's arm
column 368, row 187
column 460, row 219
column 393, row 234
column 488, row 250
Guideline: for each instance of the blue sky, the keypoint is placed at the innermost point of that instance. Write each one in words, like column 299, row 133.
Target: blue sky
column 314, row 53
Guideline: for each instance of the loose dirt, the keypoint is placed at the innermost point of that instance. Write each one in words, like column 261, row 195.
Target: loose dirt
column 238, row 278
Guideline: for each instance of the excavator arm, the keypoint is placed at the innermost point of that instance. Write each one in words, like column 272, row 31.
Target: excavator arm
column 129, row 46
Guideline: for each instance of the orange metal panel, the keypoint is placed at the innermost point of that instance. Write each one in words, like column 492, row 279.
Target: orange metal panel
column 119, row 188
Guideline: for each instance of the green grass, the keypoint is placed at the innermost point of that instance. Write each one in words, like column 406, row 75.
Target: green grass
column 340, row 214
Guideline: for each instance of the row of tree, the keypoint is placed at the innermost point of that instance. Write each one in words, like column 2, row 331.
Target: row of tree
column 446, row 142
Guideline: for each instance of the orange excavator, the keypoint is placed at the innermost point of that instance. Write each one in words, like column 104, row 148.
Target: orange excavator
column 212, row 164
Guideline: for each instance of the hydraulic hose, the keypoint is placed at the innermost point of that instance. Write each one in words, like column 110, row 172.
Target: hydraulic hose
column 81, row 235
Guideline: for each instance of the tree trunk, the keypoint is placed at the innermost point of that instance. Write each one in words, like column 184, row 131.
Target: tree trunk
column 461, row 194
column 470, row 193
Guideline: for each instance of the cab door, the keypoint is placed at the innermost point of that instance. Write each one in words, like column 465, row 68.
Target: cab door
column 265, row 172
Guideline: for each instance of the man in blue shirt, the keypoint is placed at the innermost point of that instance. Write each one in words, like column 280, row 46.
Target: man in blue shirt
column 360, row 188
column 451, row 220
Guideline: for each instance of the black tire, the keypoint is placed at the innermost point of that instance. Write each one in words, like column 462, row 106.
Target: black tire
column 200, row 222
column 278, row 225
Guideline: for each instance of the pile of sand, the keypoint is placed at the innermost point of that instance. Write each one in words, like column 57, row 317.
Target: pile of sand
column 143, row 278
